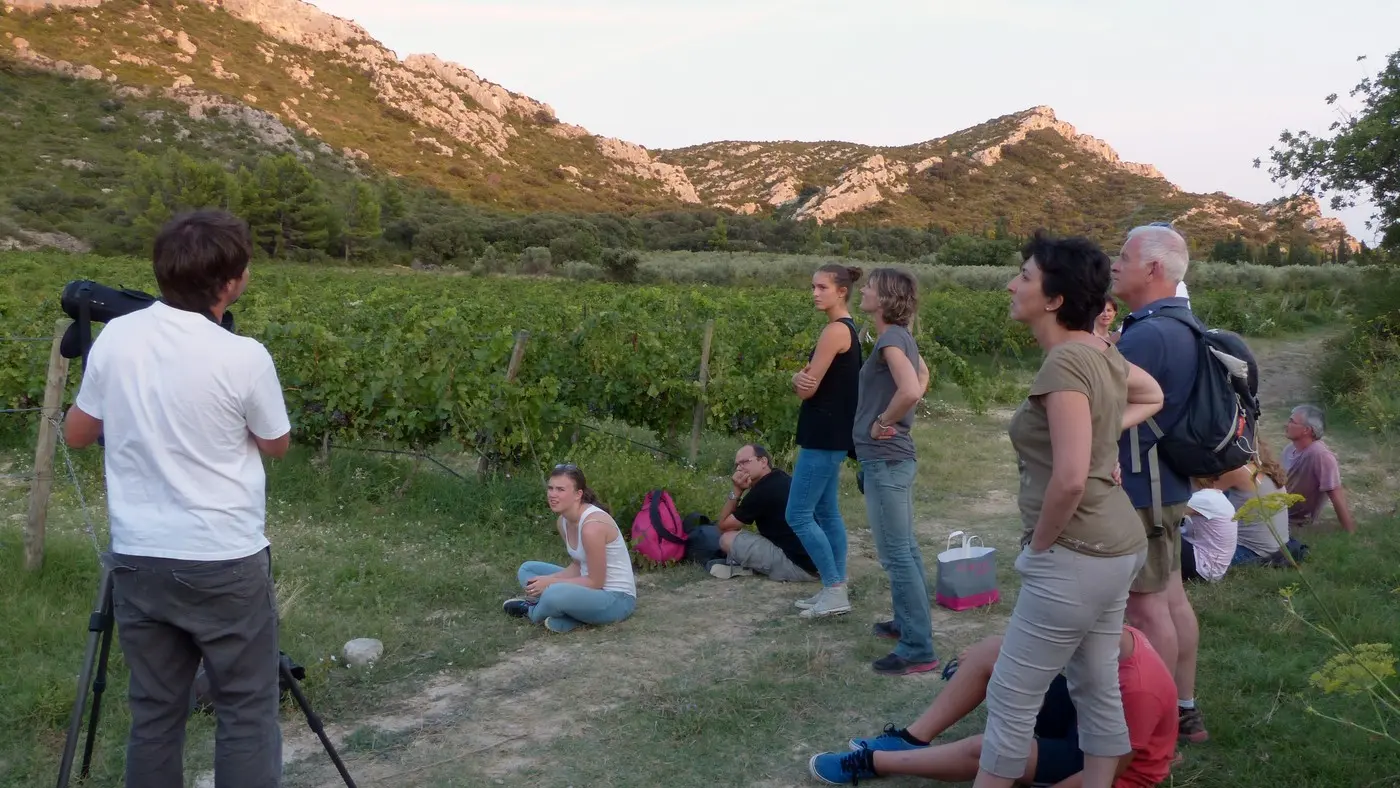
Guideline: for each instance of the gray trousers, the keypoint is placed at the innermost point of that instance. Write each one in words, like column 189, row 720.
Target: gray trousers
column 170, row 614
column 1068, row 616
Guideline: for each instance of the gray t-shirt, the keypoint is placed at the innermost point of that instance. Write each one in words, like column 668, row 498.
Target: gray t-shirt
column 1255, row 533
column 877, row 388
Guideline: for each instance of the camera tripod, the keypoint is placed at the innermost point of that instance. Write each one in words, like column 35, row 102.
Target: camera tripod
column 100, row 627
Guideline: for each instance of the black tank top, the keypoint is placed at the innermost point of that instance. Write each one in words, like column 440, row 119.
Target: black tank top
column 826, row 420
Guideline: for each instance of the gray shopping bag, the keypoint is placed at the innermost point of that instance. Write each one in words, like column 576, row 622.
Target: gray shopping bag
column 967, row 574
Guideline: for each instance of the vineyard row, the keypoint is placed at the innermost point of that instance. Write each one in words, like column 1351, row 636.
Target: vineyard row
column 418, row 359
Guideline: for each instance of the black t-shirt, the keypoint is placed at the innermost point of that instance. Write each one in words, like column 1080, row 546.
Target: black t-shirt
column 765, row 504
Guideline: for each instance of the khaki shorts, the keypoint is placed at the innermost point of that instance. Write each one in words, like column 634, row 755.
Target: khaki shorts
column 752, row 551
column 1163, row 549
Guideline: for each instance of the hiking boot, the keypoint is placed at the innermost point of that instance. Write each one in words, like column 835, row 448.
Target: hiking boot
column 721, row 568
column 839, row 769
column 886, row 630
column 519, row 608
column 833, row 601
column 892, row 740
column 895, row 665
column 1190, row 726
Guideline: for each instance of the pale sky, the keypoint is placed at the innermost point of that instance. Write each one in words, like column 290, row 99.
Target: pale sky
column 1198, row 88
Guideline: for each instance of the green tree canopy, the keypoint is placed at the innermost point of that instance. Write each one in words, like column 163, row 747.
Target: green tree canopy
column 1360, row 158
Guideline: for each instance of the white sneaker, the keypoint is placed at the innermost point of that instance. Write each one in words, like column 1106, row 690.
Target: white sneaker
column 832, row 601
column 803, row 604
column 725, row 571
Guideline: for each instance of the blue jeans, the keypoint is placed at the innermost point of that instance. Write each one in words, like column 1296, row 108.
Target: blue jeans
column 813, row 514
column 889, row 506
column 571, row 605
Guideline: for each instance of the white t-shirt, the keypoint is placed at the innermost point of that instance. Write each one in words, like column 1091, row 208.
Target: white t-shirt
column 1181, row 291
column 1212, row 530
column 180, row 399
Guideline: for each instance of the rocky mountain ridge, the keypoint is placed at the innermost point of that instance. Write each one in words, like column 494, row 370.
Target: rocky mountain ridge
column 282, row 65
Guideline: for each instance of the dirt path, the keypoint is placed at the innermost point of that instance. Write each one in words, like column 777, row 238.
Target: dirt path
column 1288, row 369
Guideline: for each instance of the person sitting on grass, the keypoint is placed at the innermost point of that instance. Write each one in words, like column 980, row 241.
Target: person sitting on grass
column 1149, row 706
column 759, row 497
column 598, row 586
column 1313, row 471
column 1263, row 536
column 1210, row 534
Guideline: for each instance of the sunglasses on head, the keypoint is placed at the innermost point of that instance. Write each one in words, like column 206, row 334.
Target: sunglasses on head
column 566, row 466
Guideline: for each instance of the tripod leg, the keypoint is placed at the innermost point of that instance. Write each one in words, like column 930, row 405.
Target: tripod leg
column 313, row 720
column 99, row 623
column 99, row 685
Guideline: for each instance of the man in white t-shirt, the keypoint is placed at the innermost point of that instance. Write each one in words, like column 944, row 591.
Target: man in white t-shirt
column 185, row 410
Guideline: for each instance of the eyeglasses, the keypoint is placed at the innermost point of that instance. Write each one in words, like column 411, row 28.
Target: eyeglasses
column 566, row 466
column 1160, row 224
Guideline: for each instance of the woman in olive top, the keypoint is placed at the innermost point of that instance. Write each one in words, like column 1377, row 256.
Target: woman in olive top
column 828, row 386
column 1082, row 542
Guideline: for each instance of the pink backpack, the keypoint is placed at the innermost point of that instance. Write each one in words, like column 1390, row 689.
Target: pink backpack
column 657, row 531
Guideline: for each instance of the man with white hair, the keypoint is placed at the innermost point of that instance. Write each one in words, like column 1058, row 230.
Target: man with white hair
column 1146, row 275
column 1313, row 471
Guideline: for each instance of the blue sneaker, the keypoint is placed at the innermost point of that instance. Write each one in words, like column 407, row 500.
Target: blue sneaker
column 835, row 768
column 889, row 741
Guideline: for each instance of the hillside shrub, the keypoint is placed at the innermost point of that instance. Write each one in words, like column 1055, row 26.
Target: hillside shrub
column 1361, row 374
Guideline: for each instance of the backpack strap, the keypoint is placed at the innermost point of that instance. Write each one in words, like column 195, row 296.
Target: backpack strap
column 1186, row 317
column 1154, row 469
column 656, row 525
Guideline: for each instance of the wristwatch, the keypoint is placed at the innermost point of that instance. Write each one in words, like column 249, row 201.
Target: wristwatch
column 733, row 496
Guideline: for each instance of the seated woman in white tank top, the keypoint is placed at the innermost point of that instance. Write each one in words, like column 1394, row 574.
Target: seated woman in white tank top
column 597, row 587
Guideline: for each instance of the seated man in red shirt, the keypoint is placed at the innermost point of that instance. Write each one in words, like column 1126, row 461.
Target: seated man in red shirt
column 1149, row 706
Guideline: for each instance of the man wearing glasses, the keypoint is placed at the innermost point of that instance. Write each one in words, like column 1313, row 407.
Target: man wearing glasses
column 759, row 498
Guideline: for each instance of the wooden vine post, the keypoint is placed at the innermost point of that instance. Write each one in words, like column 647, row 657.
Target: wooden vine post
column 698, row 424
column 42, row 484
column 517, row 354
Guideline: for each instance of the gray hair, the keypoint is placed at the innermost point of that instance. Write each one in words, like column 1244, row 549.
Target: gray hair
column 1165, row 245
column 1314, row 418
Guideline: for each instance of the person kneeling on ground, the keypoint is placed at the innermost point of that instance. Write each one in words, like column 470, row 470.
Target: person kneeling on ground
column 759, row 498
column 598, row 587
column 1149, row 708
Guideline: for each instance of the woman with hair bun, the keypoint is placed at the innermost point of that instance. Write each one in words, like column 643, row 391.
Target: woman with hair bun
column 828, row 386
column 598, row 586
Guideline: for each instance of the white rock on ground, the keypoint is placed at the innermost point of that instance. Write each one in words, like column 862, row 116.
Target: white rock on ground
column 363, row 651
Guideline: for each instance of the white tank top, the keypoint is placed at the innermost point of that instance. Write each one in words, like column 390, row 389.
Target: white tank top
column 620, row 577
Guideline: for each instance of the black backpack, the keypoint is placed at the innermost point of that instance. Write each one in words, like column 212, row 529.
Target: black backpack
column 1215, row 432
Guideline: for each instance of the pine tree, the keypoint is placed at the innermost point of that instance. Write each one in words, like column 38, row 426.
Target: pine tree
column 158, row 187
column 285, row 207
column 362, row 213
column 391, row 207
column 719, row 236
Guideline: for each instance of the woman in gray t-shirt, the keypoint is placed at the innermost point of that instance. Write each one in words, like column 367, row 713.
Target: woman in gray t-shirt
column 1259, row 538
column 892, row 381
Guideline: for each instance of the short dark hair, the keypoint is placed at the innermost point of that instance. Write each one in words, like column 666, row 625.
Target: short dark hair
column 1076, row 269
column 197, row 253
column 759, row 453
